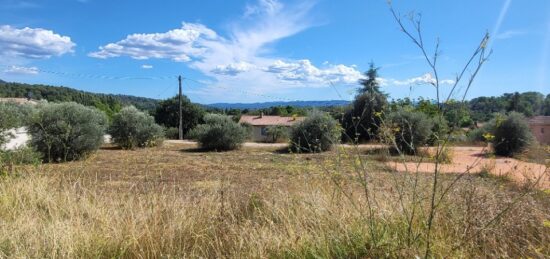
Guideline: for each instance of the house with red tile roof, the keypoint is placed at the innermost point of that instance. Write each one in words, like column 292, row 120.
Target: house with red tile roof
column 260, row 124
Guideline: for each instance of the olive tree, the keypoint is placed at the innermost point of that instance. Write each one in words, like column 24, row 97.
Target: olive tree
column 67, row 131
column 511, row 135
column 219, row 133
column 317, row 133
column 407, row 130
column 133, row 128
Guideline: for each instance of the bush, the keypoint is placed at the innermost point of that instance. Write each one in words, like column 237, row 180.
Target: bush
column 167, row 114
column 13, row 115
column 511, row 135
column 19, row 156
column 440, row 131
column 478, row 135
column 219, row 133
column 171, row 133
column 132, row 128
column 407, row 130
column 363, row 119
column 317, row 133
column 276, row 133
column 67, row 131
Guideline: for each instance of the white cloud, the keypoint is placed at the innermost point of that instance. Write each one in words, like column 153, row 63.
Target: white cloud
column 232, row 69
column 18, row 70
column 33, row 43
column 241, row 60
column 179, row 45
column 426, row 79
column 509, row 34
column 304, row 71
column 147, row 66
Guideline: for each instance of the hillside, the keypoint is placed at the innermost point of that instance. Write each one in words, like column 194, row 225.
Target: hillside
column 106, row 102
column 275, row 104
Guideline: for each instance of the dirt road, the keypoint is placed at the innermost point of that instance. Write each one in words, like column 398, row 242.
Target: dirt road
column 473, row 160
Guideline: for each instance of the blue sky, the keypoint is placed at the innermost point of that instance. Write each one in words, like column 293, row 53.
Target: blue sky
column 268, row 50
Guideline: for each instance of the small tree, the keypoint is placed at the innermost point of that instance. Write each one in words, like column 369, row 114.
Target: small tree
column 219, row 133
column 370, row 83
column 511, row 135
column 13, row 115
column 317, row 133
column 167, row 114
column 363, row 119
column 276, row 133
column 408, row 130
column 67, row 131
column 132, row 128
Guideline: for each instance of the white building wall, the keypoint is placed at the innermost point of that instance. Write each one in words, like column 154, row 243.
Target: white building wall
column 19, row 139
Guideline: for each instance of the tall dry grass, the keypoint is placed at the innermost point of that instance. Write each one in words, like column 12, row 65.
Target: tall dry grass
column 52, row 215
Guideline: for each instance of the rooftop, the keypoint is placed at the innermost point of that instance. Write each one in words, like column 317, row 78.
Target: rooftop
column 264, row 120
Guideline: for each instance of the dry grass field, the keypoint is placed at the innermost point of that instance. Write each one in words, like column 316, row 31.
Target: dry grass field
column 174, row 202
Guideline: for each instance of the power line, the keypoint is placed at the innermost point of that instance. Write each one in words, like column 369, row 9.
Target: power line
column 95, row 76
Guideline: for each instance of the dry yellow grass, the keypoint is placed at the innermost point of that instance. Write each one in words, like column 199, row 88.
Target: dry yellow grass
column 172, row 202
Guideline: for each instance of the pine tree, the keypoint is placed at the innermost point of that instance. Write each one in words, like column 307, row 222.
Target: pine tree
column 370, row 84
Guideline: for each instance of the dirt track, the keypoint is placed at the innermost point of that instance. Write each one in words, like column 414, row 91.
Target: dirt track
column 464, row 160
column 473, row 160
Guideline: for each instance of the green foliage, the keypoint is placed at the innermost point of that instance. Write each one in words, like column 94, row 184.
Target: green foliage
column 108, row 103
column 363, row 119
column 219, row 133
column 457, row 114
column 167, row 114
column 276, row 133
column 407, row 130
column 171, row 133
column 427, row 107
column 285, row 111
column 19, row 156
column 13, row 115
column 132, row 128
column 528, row 103
column 66, row 131
column 440, row 131
column 317, row 133
column 478, row 134
column 370, row 83
column 511, row 135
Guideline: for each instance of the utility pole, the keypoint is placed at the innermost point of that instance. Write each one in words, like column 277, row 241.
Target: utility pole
column 180, row 111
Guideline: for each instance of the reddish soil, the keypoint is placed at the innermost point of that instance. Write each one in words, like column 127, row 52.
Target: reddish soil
column 474, row 160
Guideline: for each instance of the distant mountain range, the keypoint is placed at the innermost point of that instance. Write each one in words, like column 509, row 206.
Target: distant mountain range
column 59, row 93
column 274, row 104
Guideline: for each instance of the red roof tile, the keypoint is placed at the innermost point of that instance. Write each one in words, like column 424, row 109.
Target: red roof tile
column 270, row 120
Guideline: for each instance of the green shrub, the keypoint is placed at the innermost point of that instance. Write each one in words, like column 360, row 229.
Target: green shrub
column 440, row 131
column 407, row 130
column 219, row 133
column 167, row 114
column 363, row 119
column 13, row 115
column 248, row 128
column 317, row 133
column 132, row 128
column 276, row 133
column 67, row 131
column 171, row 133
column 20, row 156
column 477, row 135
column 511, row 135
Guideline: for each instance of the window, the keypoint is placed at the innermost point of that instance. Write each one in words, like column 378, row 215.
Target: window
column 542, row 130
column 263, row 131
